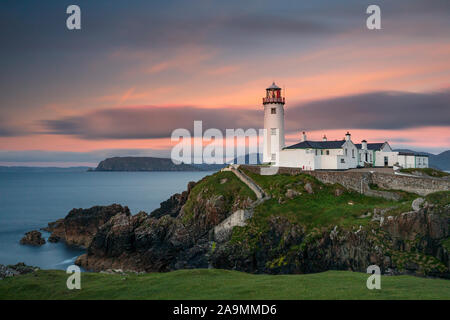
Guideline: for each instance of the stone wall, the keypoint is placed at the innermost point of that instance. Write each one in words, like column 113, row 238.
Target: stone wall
column 359, row 181
column 420, row 185
column 222, row 231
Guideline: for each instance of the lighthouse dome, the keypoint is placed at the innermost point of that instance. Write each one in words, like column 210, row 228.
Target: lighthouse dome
column 273, row 86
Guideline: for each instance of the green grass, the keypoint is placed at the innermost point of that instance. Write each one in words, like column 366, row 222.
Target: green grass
column 221, row 284
column 441, row 198
column 428, row 171
column 223, row 183
column 446, row 244
column 322, row 208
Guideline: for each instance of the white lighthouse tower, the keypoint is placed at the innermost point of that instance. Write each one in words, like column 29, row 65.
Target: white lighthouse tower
column 273, row 123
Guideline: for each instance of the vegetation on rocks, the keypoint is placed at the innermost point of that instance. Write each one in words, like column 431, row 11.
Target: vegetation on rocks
column 223, row 187
column 305, row 227
column 425, row 172
column 309, row 226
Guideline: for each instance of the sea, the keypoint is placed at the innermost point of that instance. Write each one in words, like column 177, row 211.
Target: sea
column 29, row 200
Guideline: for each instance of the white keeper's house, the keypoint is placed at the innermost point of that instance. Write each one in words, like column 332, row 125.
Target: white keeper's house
column 326, row 154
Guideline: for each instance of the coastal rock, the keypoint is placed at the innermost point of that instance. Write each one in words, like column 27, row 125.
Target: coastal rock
column 308, row 188
column 80, row 225
column 16, row 270
column 284, row 248
column 179, row 235
column 339, row 192
column 173, row 205
column 33, row 238
column 291, row 194
column 167, row 239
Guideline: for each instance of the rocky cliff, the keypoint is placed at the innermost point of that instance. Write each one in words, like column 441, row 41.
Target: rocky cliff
column 410, row 243
column 299, row 231
column 176, row 236
column 80, row 225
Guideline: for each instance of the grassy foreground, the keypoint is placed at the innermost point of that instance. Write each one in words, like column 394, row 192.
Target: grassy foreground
column 221, row 284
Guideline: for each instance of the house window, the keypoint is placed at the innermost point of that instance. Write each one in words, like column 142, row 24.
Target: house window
column 273, row 110
column 273, row 131
column 317, row 152
column 321, row 152
column 342, row 160
column 353, row 153
column 328, row 152
column 274, row 156
column 346, row 152
column 366, row 157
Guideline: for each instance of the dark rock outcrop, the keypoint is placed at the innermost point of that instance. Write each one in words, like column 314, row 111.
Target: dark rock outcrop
column 180, row 235
column 406, row 244
column 15, row 270
column 33, row 238
column 172, row 237
column 173, row 205
column 80, row 225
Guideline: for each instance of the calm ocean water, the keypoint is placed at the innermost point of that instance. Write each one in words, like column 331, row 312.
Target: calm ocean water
column 29, row 200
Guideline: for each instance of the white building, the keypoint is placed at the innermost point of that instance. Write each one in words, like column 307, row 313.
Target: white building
column 411, row 160
column 324, row 155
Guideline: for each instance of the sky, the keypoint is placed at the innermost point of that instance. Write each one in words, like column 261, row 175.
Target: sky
column 139, row 69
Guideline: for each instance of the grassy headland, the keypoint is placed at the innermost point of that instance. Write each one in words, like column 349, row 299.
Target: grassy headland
column 221, row 284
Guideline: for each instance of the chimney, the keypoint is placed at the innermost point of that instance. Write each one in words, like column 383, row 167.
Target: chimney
column 364, row 145
column 303, row 136
column 348, row 136
column 324, row 138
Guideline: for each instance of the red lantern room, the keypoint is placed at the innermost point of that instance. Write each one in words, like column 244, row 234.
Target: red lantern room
column 273, row 95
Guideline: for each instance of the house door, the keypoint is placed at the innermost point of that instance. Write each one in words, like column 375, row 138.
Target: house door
column 385, row 161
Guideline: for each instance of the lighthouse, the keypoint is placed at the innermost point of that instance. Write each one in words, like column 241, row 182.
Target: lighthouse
column 273, row 104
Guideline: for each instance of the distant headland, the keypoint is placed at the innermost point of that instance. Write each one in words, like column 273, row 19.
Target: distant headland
column 150, row 164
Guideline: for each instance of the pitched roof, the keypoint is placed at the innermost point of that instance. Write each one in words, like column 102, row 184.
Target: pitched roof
column 371, row 146
column 417, row 154
column 318, row 145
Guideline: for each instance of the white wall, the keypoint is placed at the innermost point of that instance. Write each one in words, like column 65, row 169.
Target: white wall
column 362, row 157
column 298, row 158
column 273, row 121
column 379, row 158
column 351, row 158
column 406, row 161
column 421, row 162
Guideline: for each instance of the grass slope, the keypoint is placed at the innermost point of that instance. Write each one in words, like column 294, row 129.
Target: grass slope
column 322, row 208
column 428, row 171
column 221, row 284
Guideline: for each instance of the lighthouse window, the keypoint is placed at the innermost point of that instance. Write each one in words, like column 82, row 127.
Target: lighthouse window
column 273, row 110
column 353, row 153
column 273, row 131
